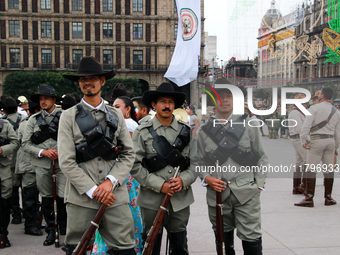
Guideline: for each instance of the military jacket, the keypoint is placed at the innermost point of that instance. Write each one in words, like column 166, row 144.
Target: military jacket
column 8, row 150
column 151, row 183
column 243, row 184
column 82, row 177
column 24, row 159
column 34, row 149
column 14, row 118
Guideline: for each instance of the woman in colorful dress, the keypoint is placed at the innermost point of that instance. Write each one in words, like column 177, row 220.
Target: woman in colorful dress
column 126, row 106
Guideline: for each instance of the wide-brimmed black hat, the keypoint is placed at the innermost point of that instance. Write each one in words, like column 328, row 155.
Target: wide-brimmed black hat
column 118, row 91
column 45, row 90
column 67, row 102
column 165, row 89
column 10, row 103
column 89, row 66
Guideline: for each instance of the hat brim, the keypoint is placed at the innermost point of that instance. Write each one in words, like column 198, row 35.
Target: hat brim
column 35, row 98
column 118, row 93
column 151, row 96
column 75, row 77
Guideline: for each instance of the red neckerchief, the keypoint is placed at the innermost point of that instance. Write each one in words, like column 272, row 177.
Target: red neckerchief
column 294, row 107
column 329, row 101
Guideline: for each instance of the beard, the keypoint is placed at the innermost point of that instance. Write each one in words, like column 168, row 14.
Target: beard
column 90, row 94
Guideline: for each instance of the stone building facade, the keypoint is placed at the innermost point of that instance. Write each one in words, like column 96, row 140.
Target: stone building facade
column 134, row 37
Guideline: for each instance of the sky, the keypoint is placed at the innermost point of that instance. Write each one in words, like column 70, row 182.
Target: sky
column 236, row 24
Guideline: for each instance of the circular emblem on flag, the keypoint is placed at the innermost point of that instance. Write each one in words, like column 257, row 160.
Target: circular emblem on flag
column 189, row 24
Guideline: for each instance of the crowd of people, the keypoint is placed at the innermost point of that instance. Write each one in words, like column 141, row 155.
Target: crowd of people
column 92, row 147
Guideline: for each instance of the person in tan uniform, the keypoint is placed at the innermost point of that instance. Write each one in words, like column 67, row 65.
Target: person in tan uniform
column 300, row 152
column 96, row 151
column 323, row 125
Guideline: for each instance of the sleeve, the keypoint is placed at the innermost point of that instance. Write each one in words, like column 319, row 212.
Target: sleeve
column 26, row 139
column 201, row 144
column 257, row 146
column 67, row 156
column 13, row 145
column 141, row 174
column 307, row 125
column 337, row 134
column 122, row 167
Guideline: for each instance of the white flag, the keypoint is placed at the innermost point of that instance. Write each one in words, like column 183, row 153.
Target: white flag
column 183, row 67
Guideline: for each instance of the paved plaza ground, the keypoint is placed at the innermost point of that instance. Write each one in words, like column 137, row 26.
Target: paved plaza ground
column 286, row 229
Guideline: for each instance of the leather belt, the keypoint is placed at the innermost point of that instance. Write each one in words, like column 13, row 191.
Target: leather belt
column 297, row 136
column 322, row 136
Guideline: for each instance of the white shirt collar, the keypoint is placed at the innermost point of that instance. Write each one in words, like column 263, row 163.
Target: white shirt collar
column 97, row 108
column 49, row 114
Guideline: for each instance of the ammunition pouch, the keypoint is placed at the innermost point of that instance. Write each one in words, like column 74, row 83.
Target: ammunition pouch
column 228, row 144
column 168, row 154
column 97, row 142
column 46, row 130
column 3, row 141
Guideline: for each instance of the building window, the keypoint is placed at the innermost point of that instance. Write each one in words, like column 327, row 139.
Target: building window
column 107, row 30
column 14, row 28
column 175, row 10
column 46, row 58
column 107, row 59
column 13, row 3
column 137, row 31
column 137, row 60
column 77, row 29
column 45, row 4
column 137, row 5
column 46, row 29
column 76, row 57
column 77, row 5
column 176, row 29
column 14, row 58
column 107, row 5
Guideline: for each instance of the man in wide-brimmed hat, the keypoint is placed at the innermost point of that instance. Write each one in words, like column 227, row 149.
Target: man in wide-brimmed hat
column 91, row 137
column 40, row 140
column 14, row 118
column 154, row 167
column 25, row 169
column 233, row 147
column 9, row 144
column 118, row 91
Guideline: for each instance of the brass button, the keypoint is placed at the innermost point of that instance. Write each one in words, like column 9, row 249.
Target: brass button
column 170, row 171
column 229, row 182
column 176, row 155
column 225, row 143
column 153, row 149
column 221, row 133
column 154, row 159
column 83, row 149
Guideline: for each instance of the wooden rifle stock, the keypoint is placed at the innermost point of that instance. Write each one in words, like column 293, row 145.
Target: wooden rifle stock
column 219, row 221
column 157, row 223
column 55, row 207
column 2, row 245
column 86, row 238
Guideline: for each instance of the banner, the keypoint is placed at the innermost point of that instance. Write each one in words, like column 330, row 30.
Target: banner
column 183, row 67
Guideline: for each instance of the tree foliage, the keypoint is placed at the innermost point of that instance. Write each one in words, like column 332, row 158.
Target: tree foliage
column 27, row 84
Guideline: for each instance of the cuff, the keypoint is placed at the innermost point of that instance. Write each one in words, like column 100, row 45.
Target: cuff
column 111, row 177
column 89, row 193
column 203, row 183
column 39, row 154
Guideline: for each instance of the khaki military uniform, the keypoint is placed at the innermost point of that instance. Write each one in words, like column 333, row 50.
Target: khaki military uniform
column 241, row 198
column 150, row 196
column 116, row 226
column 7, row 132
column 43, row 165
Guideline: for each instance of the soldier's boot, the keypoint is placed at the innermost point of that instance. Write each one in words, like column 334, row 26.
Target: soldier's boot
column 157, row 246
column 179, row 243
column 229, row 243
column 29, row 205
column 62, row 215
column 303, row 182
column 328, row 182
column 297, row 180
column 5, row 211
column 122, row 252
column 309, row 191
column 47, row 209
column 15, row 206
column 252, row 248
column 69, row 249
column 276, row 136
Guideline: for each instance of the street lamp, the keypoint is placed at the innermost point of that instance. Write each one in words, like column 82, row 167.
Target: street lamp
column 213, row 69
column 222, row 66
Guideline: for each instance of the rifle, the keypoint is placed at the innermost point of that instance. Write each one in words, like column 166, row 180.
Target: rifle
column 86, row 238
column 2, row 246
column 157, row 223
column 55, row 208
column 219, row 219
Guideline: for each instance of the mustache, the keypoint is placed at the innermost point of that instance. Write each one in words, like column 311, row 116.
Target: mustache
column 166, row 109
